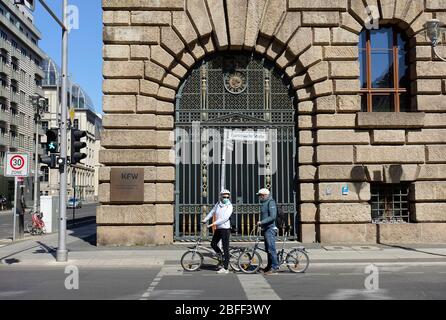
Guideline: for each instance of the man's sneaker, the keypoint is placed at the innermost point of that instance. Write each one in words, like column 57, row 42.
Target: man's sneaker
column 264, row 270
column 272, row 272
column 223, row 271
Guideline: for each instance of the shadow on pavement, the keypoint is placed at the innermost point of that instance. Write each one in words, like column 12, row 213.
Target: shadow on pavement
column 412, row 249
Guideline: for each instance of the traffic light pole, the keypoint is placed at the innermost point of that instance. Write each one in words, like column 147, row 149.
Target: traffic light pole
column 62, row 252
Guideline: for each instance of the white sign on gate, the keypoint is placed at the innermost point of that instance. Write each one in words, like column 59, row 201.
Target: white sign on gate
column 16, row 165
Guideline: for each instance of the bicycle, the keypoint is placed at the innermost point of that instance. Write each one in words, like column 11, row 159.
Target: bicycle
column 296, row 258
column 192, row 259
column 36, row 226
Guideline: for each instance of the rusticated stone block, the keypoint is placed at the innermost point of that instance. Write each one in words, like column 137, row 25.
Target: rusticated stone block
column 308, row 232
column 116, row 52
column 253, row 21
column 307, row 173
column 161, row 57
column 349, row 103
column 129, row 121
column 146, row 5
column 154, row 72
column 344, row 212
column 289, row 25
column 308, row 212
column 342, row 137
column 199, row 16
column 306, row 137
column 153, row 193
column 137, row 157
column 131, row 35
column 123, row 69
column 431, row 103
column 340, row 5
column 134, row 235
column 306, row 155
column 119, row 104
column 344, row 69
column 183, row 26
column 433, row 232
column 134, row 215
column 387, row 154
column 139, row 52
column 137, row 139
column 346, row 86
column 334, row 154
column 149, row 88
column 430, row 212
column 116, row 18
column 428, row 191
column 332, row 192
column 341, row 53
column 320, row 18
column 307, row 192
column 236, row 10
column 343, row 233
column 336, row 121
column 435, row 120
column 399, row 233
column 341, row 173
column 344, row 37
column 433, row 172
column 389, row 137
column 120, row 86
column 427, row 136
column 156, row 18
column 218, row 21
column 390, row 120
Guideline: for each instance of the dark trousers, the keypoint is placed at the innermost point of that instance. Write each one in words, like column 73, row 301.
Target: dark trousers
column 223, row 235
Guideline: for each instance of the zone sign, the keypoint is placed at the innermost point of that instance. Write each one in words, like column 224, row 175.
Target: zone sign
column 16, row 165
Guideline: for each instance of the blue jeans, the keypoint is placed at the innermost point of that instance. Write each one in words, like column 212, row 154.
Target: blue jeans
column 270, row 247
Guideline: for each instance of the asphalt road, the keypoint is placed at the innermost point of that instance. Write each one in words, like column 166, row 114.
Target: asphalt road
column 170, row 283
column 83, row 215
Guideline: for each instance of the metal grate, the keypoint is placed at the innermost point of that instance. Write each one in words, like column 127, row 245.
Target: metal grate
column 390, row 203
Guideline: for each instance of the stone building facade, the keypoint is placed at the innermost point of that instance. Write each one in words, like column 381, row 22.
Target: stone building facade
column 355, row 166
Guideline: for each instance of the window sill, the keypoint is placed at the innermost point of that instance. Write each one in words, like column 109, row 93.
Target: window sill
column 390, row 120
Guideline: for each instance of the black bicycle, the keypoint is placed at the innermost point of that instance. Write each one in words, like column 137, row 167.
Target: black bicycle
column 192, row 259
column 296, row 258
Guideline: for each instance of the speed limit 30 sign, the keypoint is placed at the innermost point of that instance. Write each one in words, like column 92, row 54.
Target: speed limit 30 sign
column 16, row 165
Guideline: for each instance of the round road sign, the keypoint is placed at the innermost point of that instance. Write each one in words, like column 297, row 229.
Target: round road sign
column 17, row 162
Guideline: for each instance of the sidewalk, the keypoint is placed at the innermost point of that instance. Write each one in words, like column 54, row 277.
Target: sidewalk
column 41, row 252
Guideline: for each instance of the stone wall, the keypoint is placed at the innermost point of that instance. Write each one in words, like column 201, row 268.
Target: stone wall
column 149, row 46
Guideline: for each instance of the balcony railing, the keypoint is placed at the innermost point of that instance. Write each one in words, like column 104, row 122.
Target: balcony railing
column 4, row 116
column 39, row 71
column 14, row 143
column 4, row 92
column 15, row 98
column 14, row 121
column 15, row 75
column 4, row 68
column 3, row 140
column 5, row 45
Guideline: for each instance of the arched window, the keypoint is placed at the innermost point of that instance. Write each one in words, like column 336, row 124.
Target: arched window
column 384, row 60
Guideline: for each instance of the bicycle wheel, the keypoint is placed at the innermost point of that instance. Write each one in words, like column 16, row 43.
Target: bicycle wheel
column 234, row 254
column 29, row 227
column 297, row 261
column 249, row 261
column 191, row 260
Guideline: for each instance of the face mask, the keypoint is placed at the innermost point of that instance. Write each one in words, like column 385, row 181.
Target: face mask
column 225, row 201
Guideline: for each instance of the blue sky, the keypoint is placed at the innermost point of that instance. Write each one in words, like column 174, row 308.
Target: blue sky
column 85, row 44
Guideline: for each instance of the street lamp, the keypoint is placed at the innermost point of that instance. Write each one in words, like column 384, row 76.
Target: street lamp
column 433, row 31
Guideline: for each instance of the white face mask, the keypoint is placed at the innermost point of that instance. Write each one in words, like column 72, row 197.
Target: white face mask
column 225, row 201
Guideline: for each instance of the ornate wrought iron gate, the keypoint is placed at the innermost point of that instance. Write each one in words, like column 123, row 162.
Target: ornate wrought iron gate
column 242, row 93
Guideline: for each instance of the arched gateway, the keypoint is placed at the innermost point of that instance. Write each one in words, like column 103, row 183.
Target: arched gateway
column 245, row 96
column 172, row 67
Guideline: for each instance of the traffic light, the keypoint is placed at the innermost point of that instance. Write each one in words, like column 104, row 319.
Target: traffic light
column 50, row 161
column 52, row 140
column 77, row 145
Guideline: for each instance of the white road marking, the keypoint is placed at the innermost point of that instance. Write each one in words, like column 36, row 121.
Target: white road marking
column 165, row 271
column 414, row 272
column 345, row 294
column 350, row 274
column 256, row 287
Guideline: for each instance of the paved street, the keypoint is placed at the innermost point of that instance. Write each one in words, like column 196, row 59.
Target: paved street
column 83, row 215
column 169, row 282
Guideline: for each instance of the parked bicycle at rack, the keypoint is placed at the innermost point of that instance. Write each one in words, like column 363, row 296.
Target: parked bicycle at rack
column 296, row 258
column 36, row 226
column 192, row 259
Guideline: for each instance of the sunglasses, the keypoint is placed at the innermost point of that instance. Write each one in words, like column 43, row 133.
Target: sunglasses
column 225, row 197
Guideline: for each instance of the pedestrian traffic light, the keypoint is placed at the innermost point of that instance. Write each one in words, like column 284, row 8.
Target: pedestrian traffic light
column 77, row 145
column 50, row 161
column 52, row 140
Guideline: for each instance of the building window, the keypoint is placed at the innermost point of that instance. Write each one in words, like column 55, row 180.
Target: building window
column 14, row 86
column 15, row 64
column 383, row 57
column 45, row 174
column 390, row 203
column 4, row 56
column 44, row 126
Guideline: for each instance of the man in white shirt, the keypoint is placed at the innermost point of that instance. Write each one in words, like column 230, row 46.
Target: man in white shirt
column 222, row 211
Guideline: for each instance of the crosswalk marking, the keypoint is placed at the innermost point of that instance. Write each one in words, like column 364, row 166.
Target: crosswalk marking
column 256, row 287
